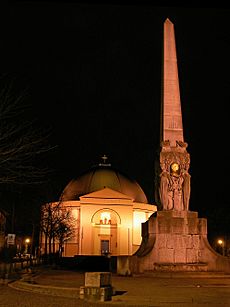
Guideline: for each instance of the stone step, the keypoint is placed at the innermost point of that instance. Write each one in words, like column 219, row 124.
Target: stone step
column 186, row 274
column 181, row 267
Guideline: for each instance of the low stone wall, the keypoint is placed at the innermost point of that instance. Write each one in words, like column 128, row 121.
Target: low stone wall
column 43, row 289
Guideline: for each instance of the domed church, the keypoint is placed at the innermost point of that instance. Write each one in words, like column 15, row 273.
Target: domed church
column 108, row 208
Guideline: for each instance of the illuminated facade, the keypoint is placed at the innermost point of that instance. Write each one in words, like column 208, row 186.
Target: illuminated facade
column 108, row 210
column 108, row 222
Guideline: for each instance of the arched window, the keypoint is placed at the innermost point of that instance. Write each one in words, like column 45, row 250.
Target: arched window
column 106, row 216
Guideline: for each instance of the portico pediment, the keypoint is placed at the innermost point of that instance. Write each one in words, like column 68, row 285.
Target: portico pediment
column 106, row 193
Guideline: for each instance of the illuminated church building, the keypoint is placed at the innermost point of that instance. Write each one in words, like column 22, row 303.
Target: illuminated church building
column 109, row 209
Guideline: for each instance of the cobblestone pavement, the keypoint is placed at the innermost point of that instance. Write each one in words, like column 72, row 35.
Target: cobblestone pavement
column 61, row 288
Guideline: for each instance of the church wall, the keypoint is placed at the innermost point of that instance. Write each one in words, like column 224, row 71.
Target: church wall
column 86, row 242
column 125, row 238
column 138, row 218
column 123, row 231
column 70, row 249
column 119, row 236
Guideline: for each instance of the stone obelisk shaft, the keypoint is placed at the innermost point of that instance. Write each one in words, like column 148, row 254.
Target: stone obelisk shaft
column 171, row 125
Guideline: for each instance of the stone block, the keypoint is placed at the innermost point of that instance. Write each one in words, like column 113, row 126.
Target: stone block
column 180, row 255
column 170, row 242
column 175, row 213
column 202, row 226
column 192, row 227
column 106, row 294
column 192, row 214
column 177, row 225
column 166, row 255
column 161, row 240
column 192, row 255
column 82, row 292
column 180, row 267
column 168, row 214
column 188, row 241
column 96, row 294
column 164, row 225
column 196, row 241
column 179, row 242
column 123, row 265
column 161, row 214
column 152, row 225
column 97, row 279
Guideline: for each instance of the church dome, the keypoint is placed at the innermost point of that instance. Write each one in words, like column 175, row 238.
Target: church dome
column 103, row 176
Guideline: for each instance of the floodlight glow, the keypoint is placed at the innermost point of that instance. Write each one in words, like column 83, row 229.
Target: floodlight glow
column 220, row 242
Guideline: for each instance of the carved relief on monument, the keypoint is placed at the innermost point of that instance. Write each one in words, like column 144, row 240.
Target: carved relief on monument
column 174, row 188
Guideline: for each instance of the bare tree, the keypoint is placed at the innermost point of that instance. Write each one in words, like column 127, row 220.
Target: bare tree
column 45, row 224
column 65, row 228
column 57, row 226
column 21, row 142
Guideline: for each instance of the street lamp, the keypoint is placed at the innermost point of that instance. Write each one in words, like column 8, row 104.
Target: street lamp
column 27, row 242
column 220, row 242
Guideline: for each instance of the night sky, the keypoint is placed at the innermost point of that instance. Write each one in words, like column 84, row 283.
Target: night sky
column 93, row 74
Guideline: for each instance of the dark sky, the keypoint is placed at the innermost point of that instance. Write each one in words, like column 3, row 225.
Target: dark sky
column 93, row 71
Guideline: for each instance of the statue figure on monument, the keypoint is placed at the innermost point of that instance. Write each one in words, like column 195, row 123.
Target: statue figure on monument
column 174, row 185
column 164, row 184
column 186, row 188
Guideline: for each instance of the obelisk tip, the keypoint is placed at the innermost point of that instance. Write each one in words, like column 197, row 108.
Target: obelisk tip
column 168, row 21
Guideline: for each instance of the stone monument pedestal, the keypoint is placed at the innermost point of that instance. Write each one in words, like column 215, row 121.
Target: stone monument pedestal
column 97, row 287
column 177, row 241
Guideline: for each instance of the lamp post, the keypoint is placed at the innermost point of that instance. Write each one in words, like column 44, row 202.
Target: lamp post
column 27, row 242
column 220, row 242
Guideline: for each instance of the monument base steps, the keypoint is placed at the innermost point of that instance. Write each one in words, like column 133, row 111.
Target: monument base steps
column 176, row 241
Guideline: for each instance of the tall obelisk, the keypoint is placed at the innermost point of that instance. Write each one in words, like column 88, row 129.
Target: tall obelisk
column 175, row 239
column 171, row 121
column 174, row 179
